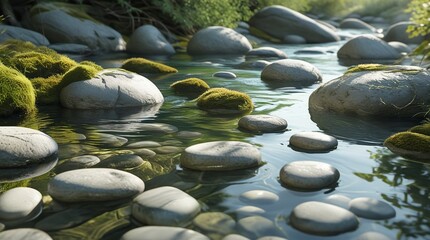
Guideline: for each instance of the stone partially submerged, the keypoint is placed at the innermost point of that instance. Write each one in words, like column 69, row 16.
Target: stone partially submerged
column 148, row 40
column 367, row 47
column 375, row 90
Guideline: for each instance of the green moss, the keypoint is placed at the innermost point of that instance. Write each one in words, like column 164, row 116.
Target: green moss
column 142, row 65
column 93, row 64
column 16, row 92
column 225, row 99
column 410, row 141
column 422, row 129
column 47, row 91
column 78, row 73
column 261, row 34
column 380, row 67
column 190, row 87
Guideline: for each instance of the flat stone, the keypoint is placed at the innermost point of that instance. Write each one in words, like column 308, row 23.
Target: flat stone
column 20, row 202
column 371, row 208
column 257, row 226
column 143, row 152
column 247, row 211
column 84, row 161
column 259, row 197
column 144, row 144
column 94, row 184
column 167, row 206
column 24, row 234
column 267, row 52
column 108, row 140
column 372, row 236
column 313, row 141
column 262, row 123
column 290, row 71
column 121, row 162
column 188, row 134
column 164, row 233
column 339, row 200
column 322, row 219
column 168, row 150
column 221, row 156
column 172, row 142
column 223, row 74
column 308, row 175
column 140, row 127
column 214, row 222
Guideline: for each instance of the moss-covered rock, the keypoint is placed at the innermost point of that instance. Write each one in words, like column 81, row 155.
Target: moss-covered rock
column 16, row 92
column 422, row 129
column 190, row 87
column 411, row 145
column 47, row 92
column 79, row 73
column 33, row 61
column 381, row 67
column 93, row 64
column 142, row 66
column 224, row 101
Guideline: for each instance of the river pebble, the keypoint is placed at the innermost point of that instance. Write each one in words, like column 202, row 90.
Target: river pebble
column 20, row 203
column 107, row 140
column 166, row 206
column 247, row 211
column 339, row 200
column 371, row 208
column 259, row 197
column 308, row 175
column 257, row 226
column 134, row 127
column 24, row 234
column 168, row 150
column 144, row 144
column 188, row 134
column 223, row 74
column 84, row 161
column 121, row 162
column 267, row 52
column 94, row 184
column 372, row 236
column 214, row 222
column 162, row 233
column 262, row 123
column 322, row 219
column 220, row 156
column 313, row 141
column 144, row 153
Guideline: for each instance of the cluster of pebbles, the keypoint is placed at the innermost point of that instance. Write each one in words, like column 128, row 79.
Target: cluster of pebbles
column 166, row 211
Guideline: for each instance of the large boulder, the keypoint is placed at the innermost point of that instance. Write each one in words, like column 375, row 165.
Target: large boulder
column 63, row 25
column 148, row 40
column 281, row 22
column 375, row 90
column 218, row 40
column 111, row 88
column 11, row 32
column 367, row 47
column 353, row 23
column 397, row 32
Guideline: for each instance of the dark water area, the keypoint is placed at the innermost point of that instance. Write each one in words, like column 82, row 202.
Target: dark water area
column 367, row 169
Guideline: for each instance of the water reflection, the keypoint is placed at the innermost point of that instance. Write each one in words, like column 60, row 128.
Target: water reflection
column 414, row 200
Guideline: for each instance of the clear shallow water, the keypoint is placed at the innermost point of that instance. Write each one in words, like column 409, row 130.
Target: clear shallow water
column 367, row 168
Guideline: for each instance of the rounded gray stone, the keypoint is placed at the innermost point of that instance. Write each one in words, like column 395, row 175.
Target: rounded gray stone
column 400, row 47
column 214, row 222
column 313, row 141
column 262, row 123
column 354, row 23
column 398, row 32
column 144, row 144
column 167, row 206
column 224, row 74
column 267, row 52
column 21, row 146
column 338, row 200
column 111, row 88
column 256, row 226
column 189, row 134
column 247, row 211
column 371, row 208
column 12, row 32
column 20, row 202
column 84, row 161
column 94, row 184
column 144, row 153
column 108, row 140
column 121, row 162
column 291, row 71
column 162, row 233
column 220, row 156
column 148, row 40
column 322, row 219
column 259, row 197
column 293, row 39
column 372, row 236
column 168, row 149
column 24, row 234
column 308, row 175
column 218, row 40
column 367, row 47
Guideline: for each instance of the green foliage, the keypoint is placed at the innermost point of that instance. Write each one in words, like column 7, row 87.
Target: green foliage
column 222, row 100
column 16, row 92
column 420, row 15
column 142, row 65
column 190, row 87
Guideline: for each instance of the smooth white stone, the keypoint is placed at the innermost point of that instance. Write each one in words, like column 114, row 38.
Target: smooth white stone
column 372, row 236
column 19, row 202
column 322, row 219
column 371, row 208
column 24, row 234
column 144, row 144
column 223, row 74
column 215, row 222
column 247, row 211
column 308, row 175
column 162, row 233
column 313, row 141
column 94, row 184
column 166, row 206
column 258, row 197
column 235, row 237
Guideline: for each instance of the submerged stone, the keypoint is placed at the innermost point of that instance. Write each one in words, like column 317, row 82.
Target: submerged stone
column 24, row 234
column 224, row 74
column 259, row 197
column 214, row 222
column 165, row 233
column 262, row 123
column 84, row 161
column 121, row 162
column 371, row 208
column 257, row 226
column 20, row 204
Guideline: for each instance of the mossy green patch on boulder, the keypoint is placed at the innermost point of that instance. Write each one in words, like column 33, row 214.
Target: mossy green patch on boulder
column 16, row 92
column 381, row 67
column 79, row 73
column 190, row 87
column 422, row 129
column 93, row 64
column 224, row 101
column 47, row 89
column 411, row 145
column 142, row 66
